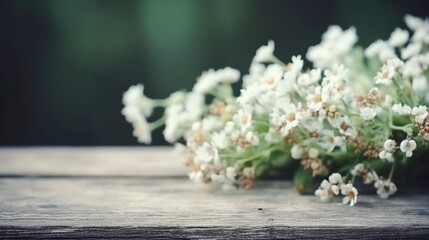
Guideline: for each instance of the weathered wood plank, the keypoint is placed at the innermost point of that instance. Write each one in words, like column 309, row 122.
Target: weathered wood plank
column 273, row 232
column 91, row 161
column 177, row 202
column 94, row 195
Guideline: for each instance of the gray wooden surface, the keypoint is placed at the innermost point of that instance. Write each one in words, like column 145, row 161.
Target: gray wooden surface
column 144, row 193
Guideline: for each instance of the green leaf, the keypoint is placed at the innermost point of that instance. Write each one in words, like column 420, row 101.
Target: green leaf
column 279, row 159
column 303, row 180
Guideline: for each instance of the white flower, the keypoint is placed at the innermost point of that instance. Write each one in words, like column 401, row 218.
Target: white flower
column 370, row 177
column 420, row 114
column 265, row 53
column 413, row 68
column 335, row 74
column 135, row 101
column 316, row 99
column 206, row 153
column 243, row 119
column 309, row 78
column 407, row 146
column 271, row 77
column 255, row 72
column 231, row 173
column 326, row 191
column 401, row 109
column 398, row 37
column 411, row 50
column 142, row 131
column 389, row 145
column 385, row 188
column 345, row 126
column 335, row 178
column 335, row 44
column 381, row 50
column 350, row 194
column 211, row 78
column 220, row 140
column 297, row 152
column 358, row 169
column 329, row 141
column 196, row 176
column 368, row 113
column 287, row 118
column 180, row 117
column 295, row 66
column 252, row 138
column 412, row 22
column 313, row 153
column 420, row 84
column 249, row 96
column 177, row 97
column 385, row 75
column 228, row 75
column 386, row 155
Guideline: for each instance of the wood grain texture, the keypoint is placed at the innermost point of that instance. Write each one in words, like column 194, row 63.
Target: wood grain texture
column 114, row 204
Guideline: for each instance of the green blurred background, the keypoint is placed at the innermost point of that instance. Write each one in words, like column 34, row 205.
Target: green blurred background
column 65, row 64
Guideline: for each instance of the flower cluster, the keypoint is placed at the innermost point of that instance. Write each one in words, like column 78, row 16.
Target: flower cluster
column 355, row 114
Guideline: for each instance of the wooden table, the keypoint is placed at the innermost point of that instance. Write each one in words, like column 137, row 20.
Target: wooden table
column 118, row 192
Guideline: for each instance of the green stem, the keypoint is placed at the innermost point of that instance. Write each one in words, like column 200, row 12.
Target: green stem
column 156, row 124
column 392, row 170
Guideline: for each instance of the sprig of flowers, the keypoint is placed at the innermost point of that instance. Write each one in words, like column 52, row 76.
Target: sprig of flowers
column 356, row 112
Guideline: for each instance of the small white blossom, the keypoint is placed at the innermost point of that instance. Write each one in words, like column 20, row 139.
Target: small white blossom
column 408, row 146
column 386, row 155
column 412, row 22
column 231, row 173
column 265, row 53
column 389, row 145
column 385, row 188
column 335, row 178
column 206, row 153
column 297, row 152
column 411, row 50
column 313, row 153
column 220, row 140
column 420, row 84
column 329, row 141
column 211, row 78
column 134, row 97
column 381, row 50
column 196, row 176
column 142, row 131
column 228, row 75
column 358, row 169
column 249, row 96
column 420, row 114
column 345, row 126
column 401, row 109
column 310, row 77
column 367, row 113
column 370, row 177
column 385, row 75
column 295, row 66
column 243, row 119
column 271, row 77
column 335, row 44
column 350, row 194
column 398, row 37
column 255, row 72
column 287, row 118
column 326, row 191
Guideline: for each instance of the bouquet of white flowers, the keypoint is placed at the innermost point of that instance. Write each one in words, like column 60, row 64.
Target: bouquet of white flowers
column 356, row 113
